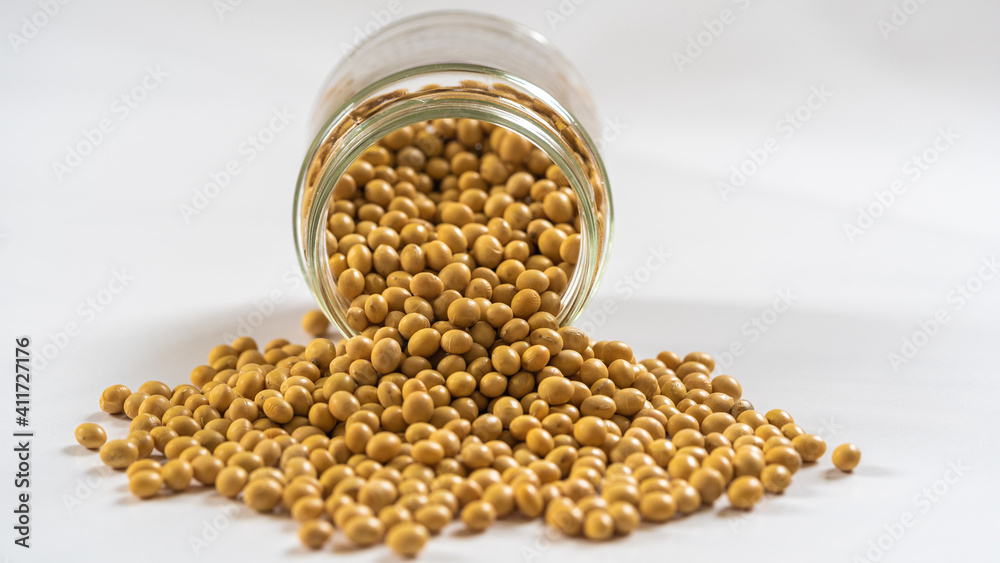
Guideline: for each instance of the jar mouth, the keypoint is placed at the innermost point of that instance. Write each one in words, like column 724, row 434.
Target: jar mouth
column 451, row 91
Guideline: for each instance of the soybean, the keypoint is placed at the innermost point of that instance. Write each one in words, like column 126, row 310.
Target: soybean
column 846, row 457
column 90, row 435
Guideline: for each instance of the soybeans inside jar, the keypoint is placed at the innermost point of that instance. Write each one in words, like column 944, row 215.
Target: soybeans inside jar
column 480, row 114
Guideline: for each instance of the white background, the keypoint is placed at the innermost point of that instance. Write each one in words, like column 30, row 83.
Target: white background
column 681, row 128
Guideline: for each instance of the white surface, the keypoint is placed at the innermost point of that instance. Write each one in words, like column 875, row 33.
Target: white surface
column 825, row 360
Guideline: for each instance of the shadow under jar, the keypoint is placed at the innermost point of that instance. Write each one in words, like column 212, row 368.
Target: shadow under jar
column 453, row 65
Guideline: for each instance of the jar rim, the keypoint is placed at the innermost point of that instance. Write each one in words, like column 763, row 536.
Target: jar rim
column 594, row 201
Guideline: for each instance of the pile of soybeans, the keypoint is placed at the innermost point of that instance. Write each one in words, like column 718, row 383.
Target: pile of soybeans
column 460, row 397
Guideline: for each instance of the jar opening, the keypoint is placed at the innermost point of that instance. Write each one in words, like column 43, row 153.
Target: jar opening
column 455, row 92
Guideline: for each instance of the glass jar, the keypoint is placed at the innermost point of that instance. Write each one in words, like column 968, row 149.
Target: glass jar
column 453, row 65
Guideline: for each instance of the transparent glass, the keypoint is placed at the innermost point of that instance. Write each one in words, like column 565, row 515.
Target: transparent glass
column 453, row 65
